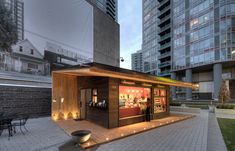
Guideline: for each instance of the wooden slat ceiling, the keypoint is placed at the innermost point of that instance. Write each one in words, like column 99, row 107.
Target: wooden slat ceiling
column 95, row 71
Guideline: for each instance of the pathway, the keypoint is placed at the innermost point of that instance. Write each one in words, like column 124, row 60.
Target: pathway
column 188, row 135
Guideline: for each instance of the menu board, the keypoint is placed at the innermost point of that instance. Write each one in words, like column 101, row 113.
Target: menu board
column 160, row 100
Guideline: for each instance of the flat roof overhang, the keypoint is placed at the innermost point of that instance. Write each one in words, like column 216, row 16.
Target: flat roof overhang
column 100, row 70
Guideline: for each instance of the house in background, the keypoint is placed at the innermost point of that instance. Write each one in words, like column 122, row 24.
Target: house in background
column 27, row 59
column 25, row 81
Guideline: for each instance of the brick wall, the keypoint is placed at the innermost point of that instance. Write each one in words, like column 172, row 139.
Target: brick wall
column 25, row 100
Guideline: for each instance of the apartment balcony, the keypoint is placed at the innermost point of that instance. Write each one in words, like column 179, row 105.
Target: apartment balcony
column 164, row 37
column 165, row 19
column 164, row 28
column 164, row 64
column 164, row 73
column 164, row 55
column 162, row 3
column 164, row 46
column 164, row 10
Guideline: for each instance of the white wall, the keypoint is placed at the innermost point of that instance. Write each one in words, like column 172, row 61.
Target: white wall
column 66, row 21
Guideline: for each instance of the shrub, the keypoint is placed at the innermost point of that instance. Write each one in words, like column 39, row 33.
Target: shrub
column 175, row 104
column 225, row 106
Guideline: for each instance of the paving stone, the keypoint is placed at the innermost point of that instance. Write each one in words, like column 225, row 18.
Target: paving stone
column 188, row 135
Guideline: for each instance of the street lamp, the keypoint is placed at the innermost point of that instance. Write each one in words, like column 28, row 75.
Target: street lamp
column 122, row 59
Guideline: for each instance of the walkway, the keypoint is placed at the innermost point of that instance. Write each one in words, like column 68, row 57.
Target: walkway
column 100, row 135
column 43, row 134
column 215, row 138
column 188, row 135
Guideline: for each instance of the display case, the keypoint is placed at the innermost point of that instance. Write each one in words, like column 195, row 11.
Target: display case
column 132, row 100
column 160, row 100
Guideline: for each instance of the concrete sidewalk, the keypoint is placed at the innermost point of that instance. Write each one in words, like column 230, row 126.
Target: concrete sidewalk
column 215, row 141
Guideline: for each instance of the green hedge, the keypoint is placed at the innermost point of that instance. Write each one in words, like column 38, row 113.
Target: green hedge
column 175, row 104
column 225, row 106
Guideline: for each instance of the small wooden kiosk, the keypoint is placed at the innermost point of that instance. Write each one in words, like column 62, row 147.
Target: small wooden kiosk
column 109, row 96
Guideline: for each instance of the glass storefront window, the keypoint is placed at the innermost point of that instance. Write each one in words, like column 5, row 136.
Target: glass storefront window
column 160, row 100
column 132, row 100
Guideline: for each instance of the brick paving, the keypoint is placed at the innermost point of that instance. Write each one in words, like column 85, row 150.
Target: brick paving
column 43, row 134
column 188, row 135
column 100, row 135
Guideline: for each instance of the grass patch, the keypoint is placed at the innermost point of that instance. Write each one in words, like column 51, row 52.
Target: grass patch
column 227, row 127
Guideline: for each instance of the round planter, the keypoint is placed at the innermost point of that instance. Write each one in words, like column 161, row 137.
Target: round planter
column 81, row 136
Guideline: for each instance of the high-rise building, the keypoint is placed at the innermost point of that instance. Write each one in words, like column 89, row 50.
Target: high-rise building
column 203, row 47
column 17, row 9
column 156, row 45
column 136, row 61
column 110, row 7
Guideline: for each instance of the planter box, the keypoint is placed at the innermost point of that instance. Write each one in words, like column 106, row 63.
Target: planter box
column 184, row 109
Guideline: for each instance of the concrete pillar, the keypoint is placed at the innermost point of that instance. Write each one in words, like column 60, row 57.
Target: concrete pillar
column 188, row 74
column 217, row 73
column 173, row 89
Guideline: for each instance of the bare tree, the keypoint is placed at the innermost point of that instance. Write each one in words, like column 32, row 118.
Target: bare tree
column 8, row 29
column 224, row 94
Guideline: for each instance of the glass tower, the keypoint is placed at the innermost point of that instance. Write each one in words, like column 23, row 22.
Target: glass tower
column 203, row 41
column 110, row 7
column 17, row 9
column 156, row 45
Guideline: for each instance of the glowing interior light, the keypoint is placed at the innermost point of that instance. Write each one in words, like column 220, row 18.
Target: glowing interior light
column 62, row 100
column 107, row 139
column 122, row 134
column 134, row 131
column 144, row 128
column 54, row 101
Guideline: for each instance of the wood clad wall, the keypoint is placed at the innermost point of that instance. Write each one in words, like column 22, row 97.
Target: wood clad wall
column 96, row 115
column 64, row 97
column 113, row 102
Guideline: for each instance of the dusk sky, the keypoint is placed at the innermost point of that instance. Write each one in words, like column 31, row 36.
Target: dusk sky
column 41, row 16
column 130, row 20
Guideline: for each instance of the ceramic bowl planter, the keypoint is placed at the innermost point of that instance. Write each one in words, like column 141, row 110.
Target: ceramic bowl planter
column 81, row 136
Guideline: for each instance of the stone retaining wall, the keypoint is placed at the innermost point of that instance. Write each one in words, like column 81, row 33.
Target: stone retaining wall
column 33, row 101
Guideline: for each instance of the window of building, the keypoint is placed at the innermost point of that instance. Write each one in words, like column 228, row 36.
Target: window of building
column 232, row 6
column 31, row 51
column 32, row 66
column 21, row 49
column 132, row 100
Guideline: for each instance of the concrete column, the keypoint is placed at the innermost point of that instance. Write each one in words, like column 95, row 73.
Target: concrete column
column 173, row 89
column 188, row 74
column 217, row 73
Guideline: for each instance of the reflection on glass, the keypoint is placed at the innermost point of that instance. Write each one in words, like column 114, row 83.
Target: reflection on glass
column 159, row 100
column 132, row 100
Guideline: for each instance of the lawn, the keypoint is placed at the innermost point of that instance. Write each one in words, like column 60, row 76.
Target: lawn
column 227, row 127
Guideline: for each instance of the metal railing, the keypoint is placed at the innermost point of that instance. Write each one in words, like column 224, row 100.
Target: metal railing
column 166, row 54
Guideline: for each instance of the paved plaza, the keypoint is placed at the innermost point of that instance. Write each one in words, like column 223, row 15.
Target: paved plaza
column 101, row 135
column 189, row 135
